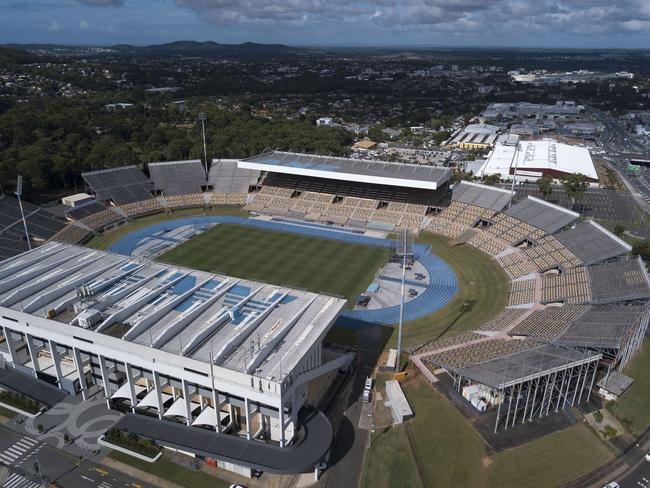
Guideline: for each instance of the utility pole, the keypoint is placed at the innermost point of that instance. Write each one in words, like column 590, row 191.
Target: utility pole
column 205, row 148
column 19, row 192
column 404, row 250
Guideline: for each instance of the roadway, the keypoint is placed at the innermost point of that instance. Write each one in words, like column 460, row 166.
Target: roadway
column 19, row 452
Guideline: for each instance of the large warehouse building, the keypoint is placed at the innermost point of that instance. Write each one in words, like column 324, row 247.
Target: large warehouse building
column 530, row 160
column 242, row 359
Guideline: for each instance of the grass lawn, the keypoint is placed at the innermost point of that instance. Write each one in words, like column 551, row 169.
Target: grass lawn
column 170, row 471
column 311, row 263
column 632, row 408
column 104, row 240
column 389, row 461
column 549, row 461
column 481, row 284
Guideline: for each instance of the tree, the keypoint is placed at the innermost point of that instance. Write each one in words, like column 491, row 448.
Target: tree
column 619, row 230
column 492, row 179
column 545, row 186
column 640, row 247
column 575, row 185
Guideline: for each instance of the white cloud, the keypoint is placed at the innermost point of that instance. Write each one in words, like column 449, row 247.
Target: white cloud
column 54, row 26
column 84, row 24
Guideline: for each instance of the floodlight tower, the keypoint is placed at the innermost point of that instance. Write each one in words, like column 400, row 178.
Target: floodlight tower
column 404, row 250
column 514, row 175
column 205, row 148
column 18, row 193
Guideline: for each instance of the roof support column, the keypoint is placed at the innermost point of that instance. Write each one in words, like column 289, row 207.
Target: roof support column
column 496, row 423
column 514, row 416
column 281, row 419
column 156, row 386
column 575, row 391
column 31, row 348
column 80, row 372
column 532, row 407
column 56, row 361
column 131, row 382
column 584, row 381
column 593, row 378
column 509, row 405
column 550, row 392
column 11, row 345
column 105, row 380
column 248, row 418
column 530, row 388
column 561, row 395
column 188, row 401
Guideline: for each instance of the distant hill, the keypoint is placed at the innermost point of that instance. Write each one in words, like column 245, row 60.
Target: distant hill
column 208, row 49
column 12, row 56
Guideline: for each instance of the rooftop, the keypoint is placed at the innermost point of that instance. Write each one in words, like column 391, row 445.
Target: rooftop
column 541, row 214
column 248, row 327
column 592, row 243
column 377, row 172
column 537, row 361
column 619, row 281
column 481, row 195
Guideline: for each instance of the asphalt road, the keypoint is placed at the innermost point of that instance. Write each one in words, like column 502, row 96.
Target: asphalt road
column 638, row 477
column 20, row 452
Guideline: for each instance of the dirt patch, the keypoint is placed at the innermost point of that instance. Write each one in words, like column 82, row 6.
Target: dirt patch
column 487, row 461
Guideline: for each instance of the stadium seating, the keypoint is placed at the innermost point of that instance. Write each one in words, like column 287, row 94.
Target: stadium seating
column 143, row 207
column 571, row 286
column 178, row 177
column 119, row 185
column 503, row 320
column 101, row 220
column 545, row 325
column 478, row 353
column 522, row 292
column 516, row 264
column 73, row 234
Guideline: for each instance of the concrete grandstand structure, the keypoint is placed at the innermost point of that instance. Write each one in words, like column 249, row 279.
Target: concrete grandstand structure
column 236, row 357
column 578, row 305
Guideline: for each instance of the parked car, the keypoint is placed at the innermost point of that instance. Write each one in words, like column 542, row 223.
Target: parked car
column 612, row 484
column 647, row 457
column 366, row 396
column 368, row 385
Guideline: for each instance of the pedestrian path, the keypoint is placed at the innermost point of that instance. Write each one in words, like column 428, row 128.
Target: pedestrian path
column 17, row 453
column 17, row 481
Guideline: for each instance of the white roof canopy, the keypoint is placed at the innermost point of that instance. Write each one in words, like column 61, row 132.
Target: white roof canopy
column 206, row 417
column 151, row 399
column 178, row 408
column 124, row 391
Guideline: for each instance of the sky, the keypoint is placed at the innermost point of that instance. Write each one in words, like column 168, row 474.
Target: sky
column 454, row 23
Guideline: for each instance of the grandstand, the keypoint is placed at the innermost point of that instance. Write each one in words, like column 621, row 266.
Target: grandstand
column 226, row 177
column 119, row 185
column 481, row 195
column 592, row 243
column 619, row 281
column 541, row 214
column 177, row 177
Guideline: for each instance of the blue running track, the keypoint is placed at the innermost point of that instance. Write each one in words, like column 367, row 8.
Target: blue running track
column 442, row 286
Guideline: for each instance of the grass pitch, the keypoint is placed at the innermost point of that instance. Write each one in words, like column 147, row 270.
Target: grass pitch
column 311, row 263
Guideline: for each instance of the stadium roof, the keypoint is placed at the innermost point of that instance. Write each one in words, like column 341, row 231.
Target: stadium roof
column 481, row 195
column 225, row 177
column 541, row 214
column 121, row 185
column 535, row 158
column 619, row 281
column 603, row 326
column 246, row 326
column 364, row 171
column 592, row 243
column 178, row 177
column 525, row 365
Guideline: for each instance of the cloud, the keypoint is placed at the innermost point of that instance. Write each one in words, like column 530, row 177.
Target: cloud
column 54, row 26
column 474, row 17
column 101, row 3
column 84, row 24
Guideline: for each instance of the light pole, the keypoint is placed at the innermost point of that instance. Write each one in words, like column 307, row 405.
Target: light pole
column 205, row 148
column 18, row 193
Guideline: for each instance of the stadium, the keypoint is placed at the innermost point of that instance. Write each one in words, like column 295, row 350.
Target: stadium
column 201, row 304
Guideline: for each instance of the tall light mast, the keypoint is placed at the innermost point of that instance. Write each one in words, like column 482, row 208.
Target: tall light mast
column 205, row 148
column 18, row 193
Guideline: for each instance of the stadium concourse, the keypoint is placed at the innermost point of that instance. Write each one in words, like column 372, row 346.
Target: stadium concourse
column 578, row 305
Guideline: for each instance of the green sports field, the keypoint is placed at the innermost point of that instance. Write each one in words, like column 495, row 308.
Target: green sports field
column 311, row 263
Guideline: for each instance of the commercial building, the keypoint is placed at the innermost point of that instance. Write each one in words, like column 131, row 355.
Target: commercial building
column 530, row 160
